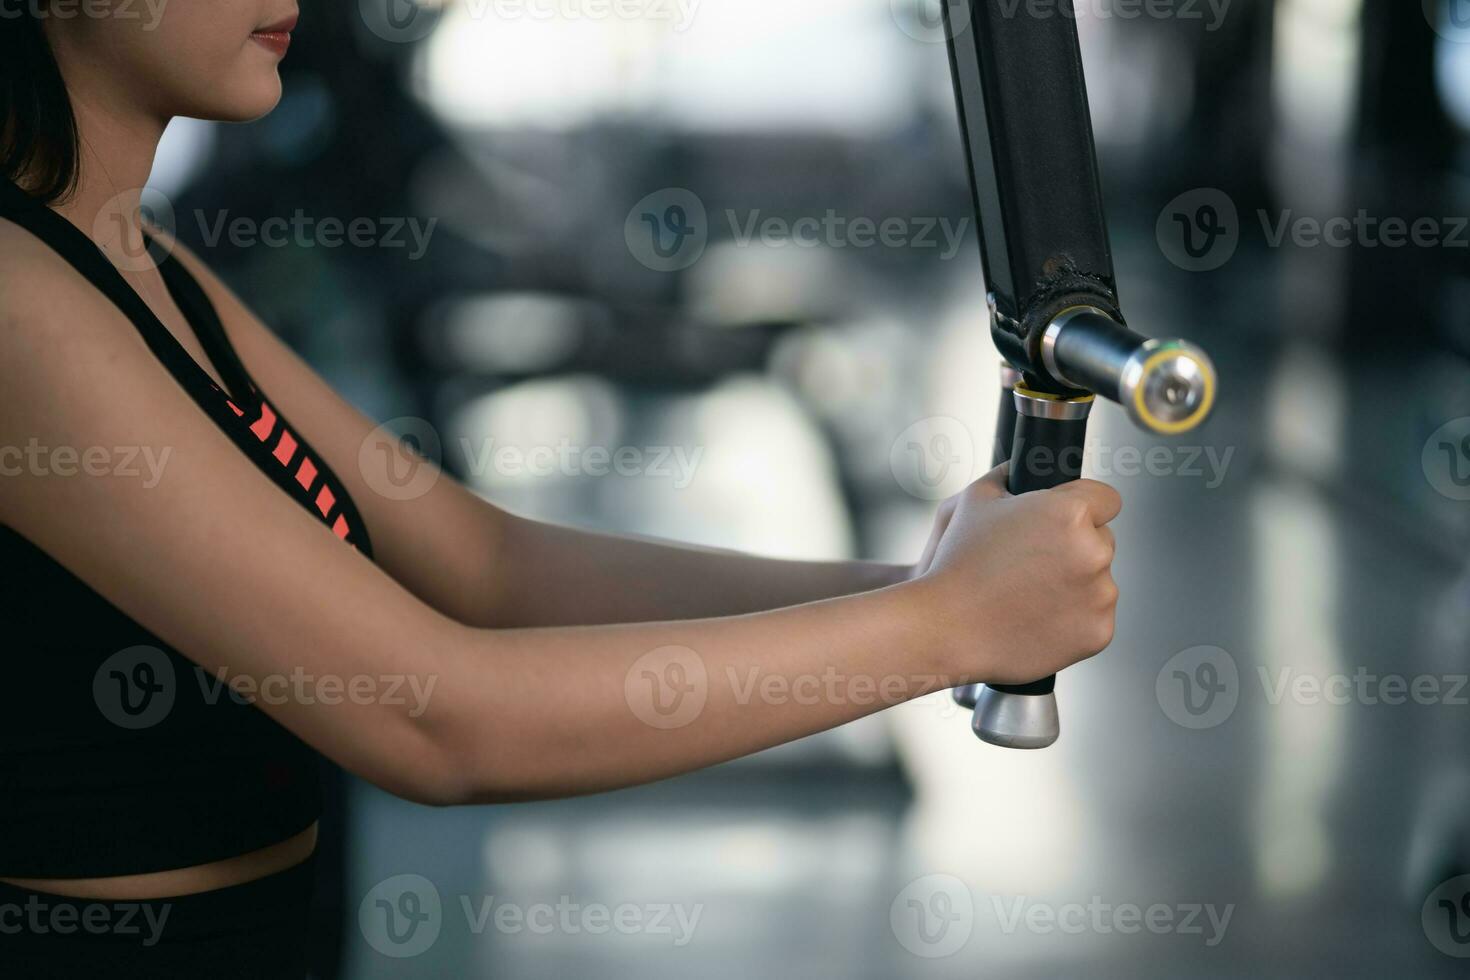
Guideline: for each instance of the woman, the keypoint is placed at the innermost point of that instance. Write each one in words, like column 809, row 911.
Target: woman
column 441, row 648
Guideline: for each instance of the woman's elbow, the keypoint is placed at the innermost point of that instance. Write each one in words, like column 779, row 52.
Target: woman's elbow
column 460, row 750
column 455, row 762
column 418, row 769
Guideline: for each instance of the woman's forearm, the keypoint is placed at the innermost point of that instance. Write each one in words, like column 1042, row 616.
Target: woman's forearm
column 556, row 712
column 550, row 575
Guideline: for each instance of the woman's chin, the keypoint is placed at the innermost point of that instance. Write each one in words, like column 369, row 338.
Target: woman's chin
column 246, row 103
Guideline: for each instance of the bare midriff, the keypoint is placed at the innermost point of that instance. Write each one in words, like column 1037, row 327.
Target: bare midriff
column 182, row 881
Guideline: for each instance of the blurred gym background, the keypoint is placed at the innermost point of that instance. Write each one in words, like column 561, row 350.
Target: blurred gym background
column 648, row 235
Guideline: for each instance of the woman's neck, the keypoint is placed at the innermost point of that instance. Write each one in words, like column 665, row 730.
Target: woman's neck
column 116, row 146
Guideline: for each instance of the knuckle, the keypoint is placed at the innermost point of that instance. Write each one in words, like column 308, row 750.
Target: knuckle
column 1086, row 554
column 1105, row 492
column 1064, row 511
column 1074, row 509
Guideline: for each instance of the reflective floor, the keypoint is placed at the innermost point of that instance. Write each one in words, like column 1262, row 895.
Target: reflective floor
column 1266, row 775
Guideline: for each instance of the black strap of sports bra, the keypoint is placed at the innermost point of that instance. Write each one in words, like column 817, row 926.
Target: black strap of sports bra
column 199, row 311
column 84, row 256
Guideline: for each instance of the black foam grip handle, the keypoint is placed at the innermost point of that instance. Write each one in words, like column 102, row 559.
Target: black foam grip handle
column 1005, row 427
column 1045, row 453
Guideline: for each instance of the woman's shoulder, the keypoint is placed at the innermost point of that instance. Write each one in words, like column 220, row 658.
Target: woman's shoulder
column 30, row 270
column 47, row 308
column 36, row 283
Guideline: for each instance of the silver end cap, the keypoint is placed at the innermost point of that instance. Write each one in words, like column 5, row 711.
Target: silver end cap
column 1016, row 721
column 1168, row 386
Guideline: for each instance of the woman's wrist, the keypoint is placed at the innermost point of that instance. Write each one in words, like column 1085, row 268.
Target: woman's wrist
column 952, row 651
column 915, row 606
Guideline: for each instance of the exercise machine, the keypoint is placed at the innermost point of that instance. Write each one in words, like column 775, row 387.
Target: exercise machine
column 1051, row 290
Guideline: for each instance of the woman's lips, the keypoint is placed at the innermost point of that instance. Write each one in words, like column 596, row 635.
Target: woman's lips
column 277, row 36
column 277, row 41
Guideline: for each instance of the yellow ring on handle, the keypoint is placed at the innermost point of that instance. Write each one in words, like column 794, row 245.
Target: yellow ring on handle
column 1188, row 422
column 1044, row 396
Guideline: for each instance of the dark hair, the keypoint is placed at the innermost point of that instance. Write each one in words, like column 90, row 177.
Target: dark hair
column 38, row 130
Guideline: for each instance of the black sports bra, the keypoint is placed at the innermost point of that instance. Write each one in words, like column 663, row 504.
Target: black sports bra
column 117, row 754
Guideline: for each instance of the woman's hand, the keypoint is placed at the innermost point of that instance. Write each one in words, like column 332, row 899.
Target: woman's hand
column 942, row 517
column 1021, row 587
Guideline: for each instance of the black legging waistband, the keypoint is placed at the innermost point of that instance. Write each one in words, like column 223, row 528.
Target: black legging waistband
column 253, row 930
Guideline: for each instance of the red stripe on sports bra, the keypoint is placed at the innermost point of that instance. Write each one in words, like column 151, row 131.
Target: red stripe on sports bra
column 306, row 475
column 286, row 448
column 325, row 500
column 266, row 424
column 307, row 470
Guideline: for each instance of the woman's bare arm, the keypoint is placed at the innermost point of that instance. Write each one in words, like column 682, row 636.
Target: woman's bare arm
column 232, row 573
column 483, row 566
column 551, row 575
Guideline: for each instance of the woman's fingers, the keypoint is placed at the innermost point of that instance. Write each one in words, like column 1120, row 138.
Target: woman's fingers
column 1102, row 501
